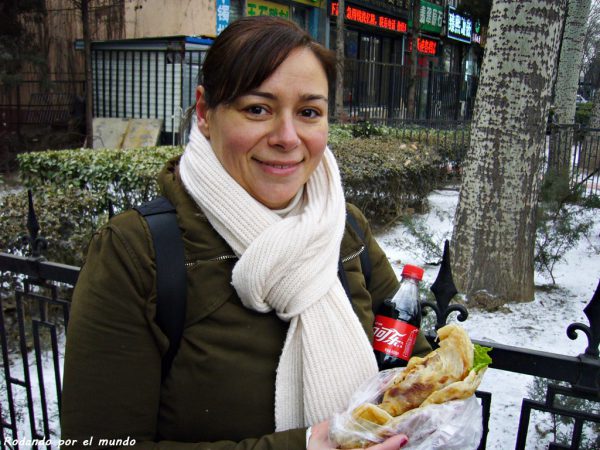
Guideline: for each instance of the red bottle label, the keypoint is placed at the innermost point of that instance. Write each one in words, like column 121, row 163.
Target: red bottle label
column 394, row 337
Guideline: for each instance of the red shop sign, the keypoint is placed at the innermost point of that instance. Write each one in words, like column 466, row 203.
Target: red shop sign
column 371, row 18
column 425, row 46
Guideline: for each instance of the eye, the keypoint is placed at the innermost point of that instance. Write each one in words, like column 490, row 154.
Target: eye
column 256, row 110
column 310, row 113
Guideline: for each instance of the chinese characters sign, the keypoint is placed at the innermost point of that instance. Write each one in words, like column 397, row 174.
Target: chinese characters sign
column 394, row 337
column 431, row 17
column 373, row 19
column 459, row 27
column 425, row 46
column 476, row 36
column 223, row 8
column 263, row 8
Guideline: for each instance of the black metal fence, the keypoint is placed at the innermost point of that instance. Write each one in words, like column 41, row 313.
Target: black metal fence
column 575, row 150
column 157, row 84
column 572, row 150
column 161, row 84
column 378, row 92
column 34, row 314
column 40, row 102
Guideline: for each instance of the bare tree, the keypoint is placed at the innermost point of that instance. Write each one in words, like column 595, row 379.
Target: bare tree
column 339, row 53
column 414, row 61
column 494, row 231
column 590, row 66
column 571, row 55
column 87, row 51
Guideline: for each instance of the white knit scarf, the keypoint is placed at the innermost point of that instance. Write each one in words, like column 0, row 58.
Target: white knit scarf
column 290, row 265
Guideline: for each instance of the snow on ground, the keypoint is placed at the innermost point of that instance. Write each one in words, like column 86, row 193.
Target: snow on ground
column 540, row 324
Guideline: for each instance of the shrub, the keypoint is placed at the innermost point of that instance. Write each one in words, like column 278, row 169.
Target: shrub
column 126, row 177
column 583, row 113
column 384, row 176
column 561, row 220
column 450, row 144
column 67, row 216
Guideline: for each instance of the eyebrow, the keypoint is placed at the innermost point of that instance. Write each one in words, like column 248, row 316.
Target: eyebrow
column 304, row 97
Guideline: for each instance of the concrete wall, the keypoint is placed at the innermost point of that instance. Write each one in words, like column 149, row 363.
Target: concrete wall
column 152, row 18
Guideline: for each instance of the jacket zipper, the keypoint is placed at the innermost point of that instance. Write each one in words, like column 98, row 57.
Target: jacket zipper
column 189, row 265
column 354, row 255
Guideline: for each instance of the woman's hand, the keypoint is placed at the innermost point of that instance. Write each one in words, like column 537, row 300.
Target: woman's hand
column 319, row 440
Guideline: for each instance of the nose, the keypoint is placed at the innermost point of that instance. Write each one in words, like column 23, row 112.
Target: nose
column 284, row 134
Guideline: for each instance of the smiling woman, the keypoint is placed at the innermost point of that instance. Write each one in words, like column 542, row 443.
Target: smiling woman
column 271, row 139
column 272, row 344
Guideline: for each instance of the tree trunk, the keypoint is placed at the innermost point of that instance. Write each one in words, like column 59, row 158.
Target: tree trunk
column 494, row 233
column 339, row 53
column 569, row 65
column 589, row 158
column 595, row 117
column 414, row 61
column 87, row 50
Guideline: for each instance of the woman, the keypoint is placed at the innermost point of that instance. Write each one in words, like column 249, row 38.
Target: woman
column 271, row 344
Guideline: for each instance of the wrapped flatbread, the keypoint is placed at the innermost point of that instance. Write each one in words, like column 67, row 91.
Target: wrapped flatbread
column 448, row 373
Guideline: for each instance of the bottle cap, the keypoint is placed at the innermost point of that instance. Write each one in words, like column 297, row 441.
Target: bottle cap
column 413, row 272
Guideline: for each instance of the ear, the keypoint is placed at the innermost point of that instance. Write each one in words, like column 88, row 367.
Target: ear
column 202, row 111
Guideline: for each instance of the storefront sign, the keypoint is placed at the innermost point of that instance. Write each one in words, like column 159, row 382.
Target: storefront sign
column 308, row 2
column 431, row 17
column 460, row 27
column 476, row 36
column 264, row 8
column 425, row 46
column 223, row 8
column 371, row 18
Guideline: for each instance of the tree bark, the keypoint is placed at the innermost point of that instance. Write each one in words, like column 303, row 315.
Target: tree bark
column 589, row 158
column 569, row 65
column 414, row 61
column 339, row 53
column 595, row 116
column 494, row 233
column 87, row 50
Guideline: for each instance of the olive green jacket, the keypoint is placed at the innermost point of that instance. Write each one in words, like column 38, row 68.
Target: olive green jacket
column 219, row 393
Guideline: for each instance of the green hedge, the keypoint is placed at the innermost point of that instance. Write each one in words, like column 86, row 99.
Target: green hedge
column 451, row 145
column 126, row 177
column 67, row 217
column 383, row 175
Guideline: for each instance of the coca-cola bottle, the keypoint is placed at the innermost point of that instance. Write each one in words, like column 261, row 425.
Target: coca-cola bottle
column 397, row 322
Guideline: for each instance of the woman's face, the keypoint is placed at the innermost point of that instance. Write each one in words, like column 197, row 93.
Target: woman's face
column 271, row 139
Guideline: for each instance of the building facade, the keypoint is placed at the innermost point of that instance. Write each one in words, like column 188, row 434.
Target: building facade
column 377, row 48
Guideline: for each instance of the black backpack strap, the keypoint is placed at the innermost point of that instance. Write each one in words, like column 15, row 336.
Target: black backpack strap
column 171, row 281
column 365, row 260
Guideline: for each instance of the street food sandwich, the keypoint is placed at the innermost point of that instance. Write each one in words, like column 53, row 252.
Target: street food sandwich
column 451, row 372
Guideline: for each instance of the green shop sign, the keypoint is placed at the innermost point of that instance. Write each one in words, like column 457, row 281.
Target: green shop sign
column 264, row 8
column 431, row 17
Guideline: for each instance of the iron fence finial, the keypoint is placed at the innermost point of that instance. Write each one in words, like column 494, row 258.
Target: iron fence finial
column 36, row 243
column 444, row 290
column 592, row 311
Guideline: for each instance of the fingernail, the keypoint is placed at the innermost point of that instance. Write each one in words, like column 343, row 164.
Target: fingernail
column 403, row 442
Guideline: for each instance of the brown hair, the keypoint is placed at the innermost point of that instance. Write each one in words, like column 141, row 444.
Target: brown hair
column 249, row 50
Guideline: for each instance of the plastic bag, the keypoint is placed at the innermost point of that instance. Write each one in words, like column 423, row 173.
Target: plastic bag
column 453, row 425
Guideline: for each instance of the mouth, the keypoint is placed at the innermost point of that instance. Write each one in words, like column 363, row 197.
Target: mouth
column 278, row 164
column 278, row 167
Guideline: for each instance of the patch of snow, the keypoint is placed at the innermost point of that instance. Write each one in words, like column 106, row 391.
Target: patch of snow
column 538, row 325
